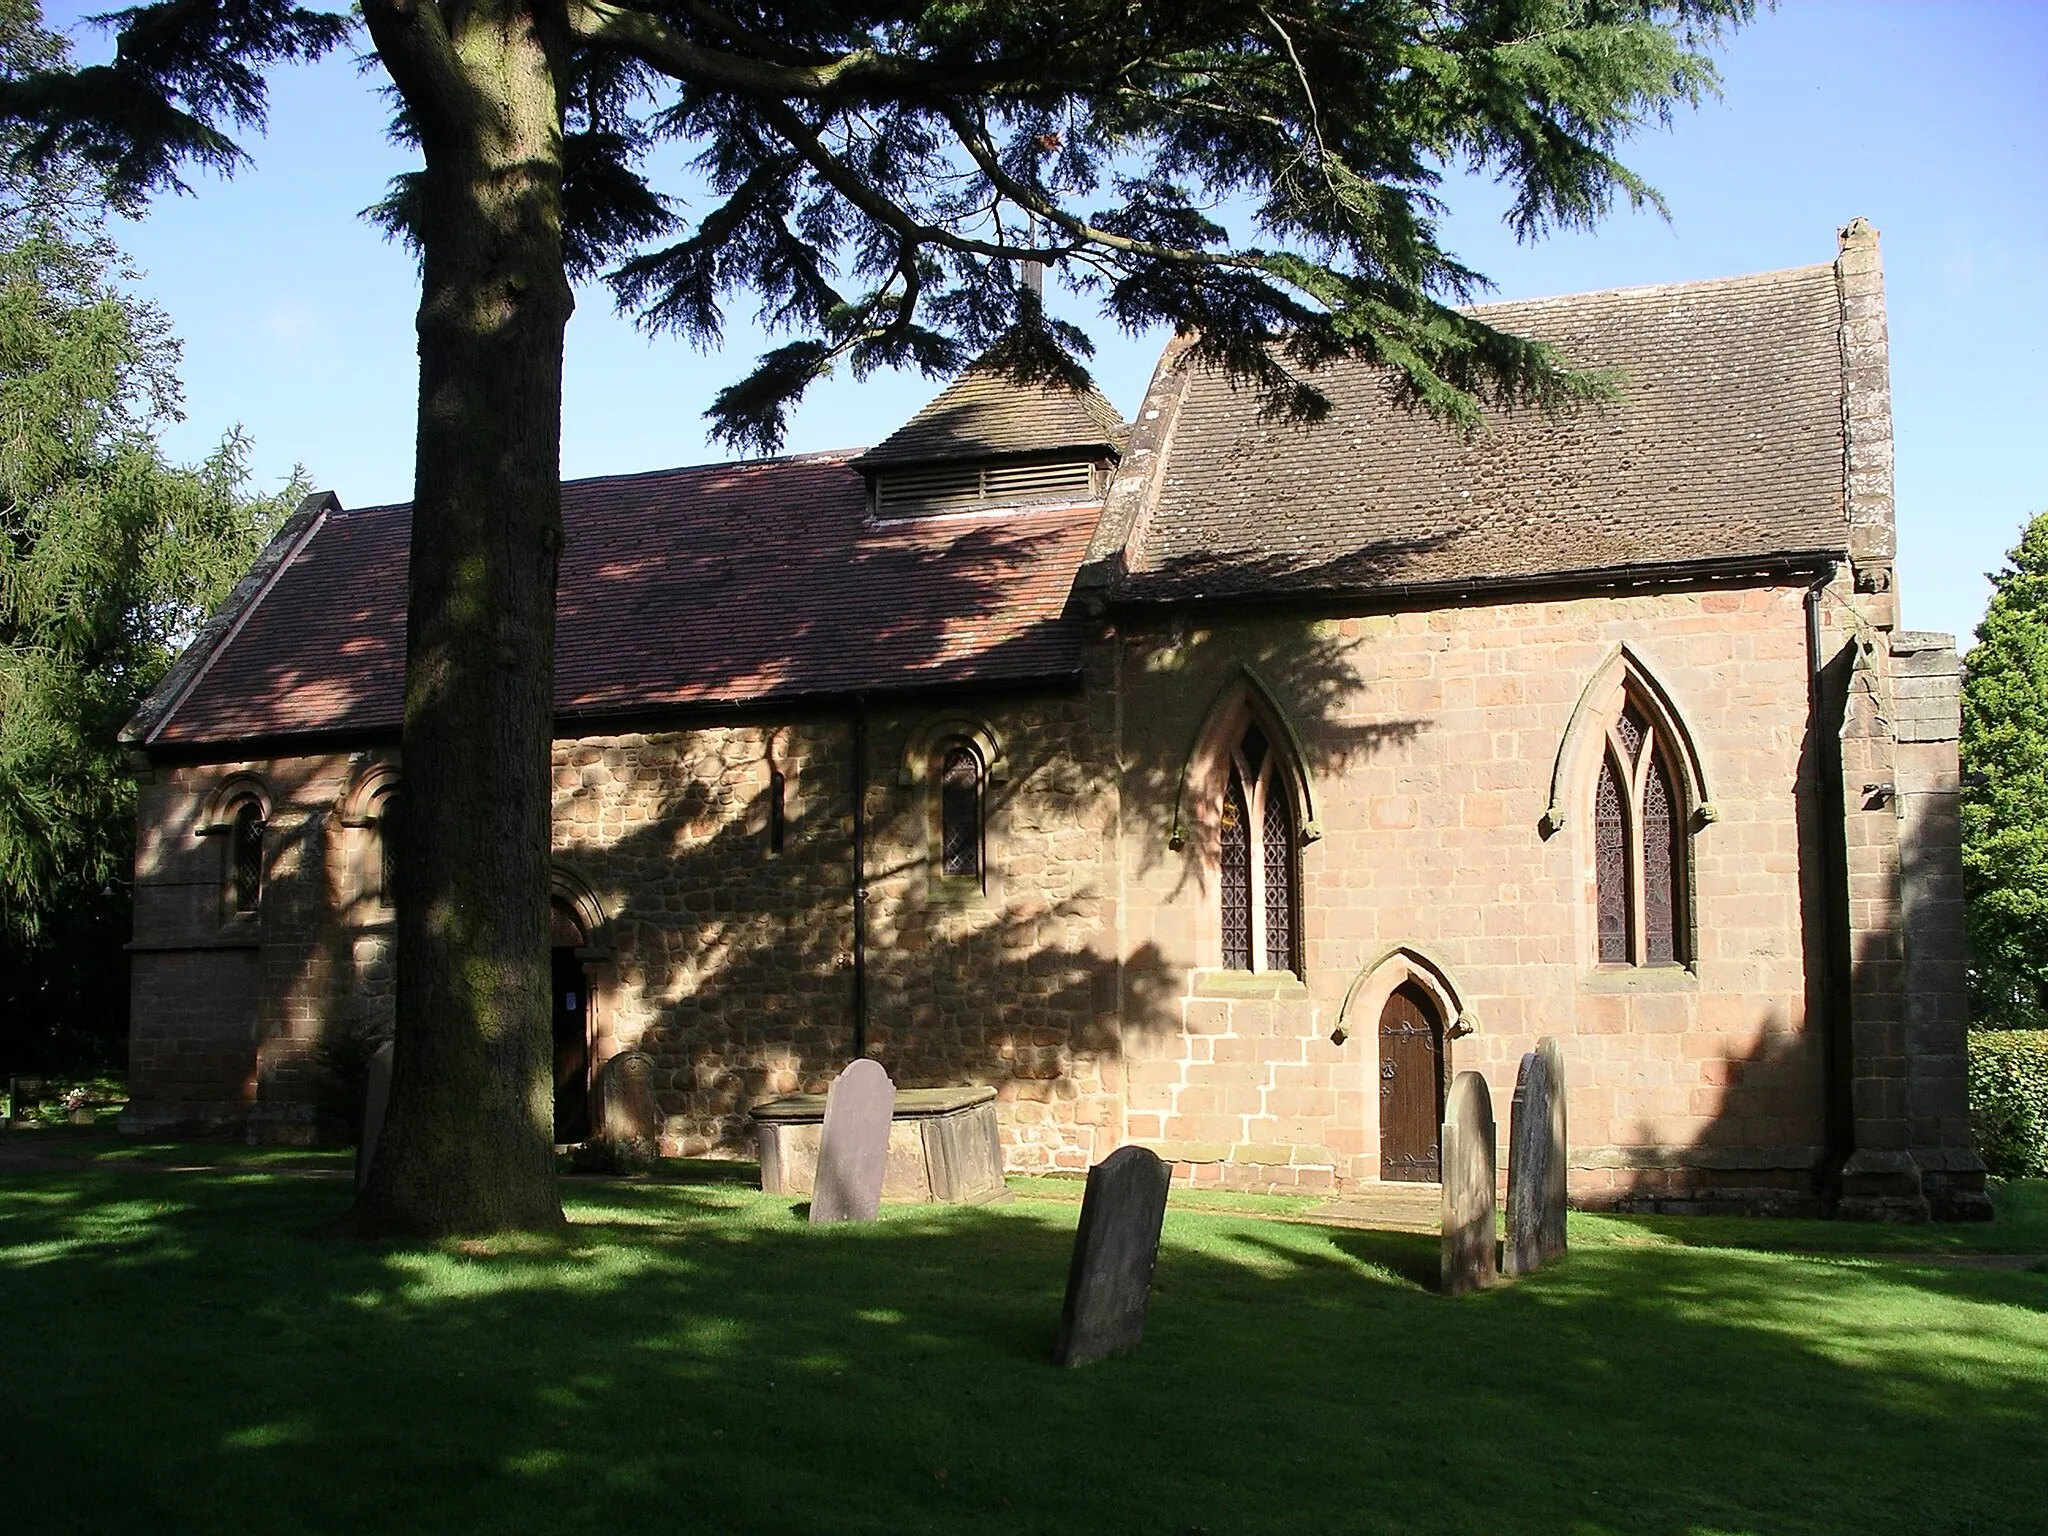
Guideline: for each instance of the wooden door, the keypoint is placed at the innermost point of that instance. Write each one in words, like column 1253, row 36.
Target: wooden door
column 572, row 1048
column 1411, row 1087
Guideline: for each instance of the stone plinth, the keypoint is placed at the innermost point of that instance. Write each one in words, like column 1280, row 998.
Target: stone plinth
column 942, row 1146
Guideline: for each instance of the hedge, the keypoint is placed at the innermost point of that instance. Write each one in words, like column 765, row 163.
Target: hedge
column 2009, row 1100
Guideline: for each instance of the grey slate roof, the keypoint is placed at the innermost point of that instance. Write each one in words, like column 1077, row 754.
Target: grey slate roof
column 983, row 415
column 1726, row 445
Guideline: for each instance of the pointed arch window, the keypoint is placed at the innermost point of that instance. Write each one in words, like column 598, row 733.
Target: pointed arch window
column 1259, row 861
column 1639, row 849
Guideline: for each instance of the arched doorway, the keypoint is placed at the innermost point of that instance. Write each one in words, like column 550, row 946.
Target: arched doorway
column 1411, row 1086
column 572, row 1026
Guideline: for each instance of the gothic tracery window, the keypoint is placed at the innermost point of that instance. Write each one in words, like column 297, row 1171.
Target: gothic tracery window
column 1639, row 849
column 1258, row 850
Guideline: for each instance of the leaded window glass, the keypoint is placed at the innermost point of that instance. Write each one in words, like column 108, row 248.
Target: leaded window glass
column 1279, row 841
column 387, row 849
column 1258, row 850
column 1639, row 847
column 246, row 853
column 1610, row 866
column 1660, row 870
column 1236, row 877
column 960, row 813
column 1630, row 728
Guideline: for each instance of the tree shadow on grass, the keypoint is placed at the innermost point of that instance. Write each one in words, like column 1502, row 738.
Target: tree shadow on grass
column 689, row 1356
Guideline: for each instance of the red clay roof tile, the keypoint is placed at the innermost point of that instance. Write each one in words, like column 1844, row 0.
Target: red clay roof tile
column 713, row 585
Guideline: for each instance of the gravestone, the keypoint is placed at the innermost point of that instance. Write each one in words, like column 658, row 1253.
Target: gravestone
column 24, row 1094
column 627, row 1112
column 853, row 1153
column 376, row 1099
column 1109, row 1280
column 1555, row 1180
column 1468, row 1172
column 1536, row 1164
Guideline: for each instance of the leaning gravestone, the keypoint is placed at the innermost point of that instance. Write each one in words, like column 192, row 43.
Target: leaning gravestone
column 853, row 1151
column 376, row 1099
column 1533, row 1155
column 1468, row 1170
column 1115, row 1249
column 628, row 1113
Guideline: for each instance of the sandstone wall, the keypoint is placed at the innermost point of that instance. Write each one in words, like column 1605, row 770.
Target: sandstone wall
column 1431, row 741
column 731, row 965
column 1081, row 975
column 228, row 1007
column 727, row 961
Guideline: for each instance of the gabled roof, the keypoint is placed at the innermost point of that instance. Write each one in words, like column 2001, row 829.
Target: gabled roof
column 718, row 585
column 983, row 415
column 1727, row 445
column 729, row 584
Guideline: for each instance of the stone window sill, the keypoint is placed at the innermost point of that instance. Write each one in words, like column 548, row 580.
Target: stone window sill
column 1255, row 984
column 1641, row 978
column 956, row 893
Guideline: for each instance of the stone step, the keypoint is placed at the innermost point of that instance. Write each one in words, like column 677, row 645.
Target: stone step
column 1409, row 1207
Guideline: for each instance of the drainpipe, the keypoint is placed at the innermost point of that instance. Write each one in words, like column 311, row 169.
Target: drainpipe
column 860, row 878
column 1831, row 813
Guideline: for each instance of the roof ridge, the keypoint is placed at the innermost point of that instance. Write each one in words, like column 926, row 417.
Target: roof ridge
column 1636, row 290
column 814, row 456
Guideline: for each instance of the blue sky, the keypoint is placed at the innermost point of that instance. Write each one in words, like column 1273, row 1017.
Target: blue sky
column 1929, row 119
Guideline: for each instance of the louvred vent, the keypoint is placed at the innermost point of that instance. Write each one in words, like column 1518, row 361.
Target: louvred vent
column 963, row 488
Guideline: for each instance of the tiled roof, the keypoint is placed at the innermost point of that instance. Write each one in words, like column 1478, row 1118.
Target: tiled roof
column 983, row 415
column 715, row 585
column 1726, row 445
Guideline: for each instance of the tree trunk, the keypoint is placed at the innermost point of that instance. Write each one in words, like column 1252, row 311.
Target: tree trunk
column 468, row 1142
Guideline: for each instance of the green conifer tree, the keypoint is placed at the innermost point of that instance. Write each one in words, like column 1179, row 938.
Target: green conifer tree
column 110, row 557
column 2005, row 791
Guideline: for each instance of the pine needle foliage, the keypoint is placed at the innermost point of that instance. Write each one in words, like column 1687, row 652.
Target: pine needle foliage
column 2005, row 790
column 1262, row 172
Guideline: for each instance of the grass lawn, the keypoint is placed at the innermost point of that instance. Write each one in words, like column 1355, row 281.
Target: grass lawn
column 185, row 1352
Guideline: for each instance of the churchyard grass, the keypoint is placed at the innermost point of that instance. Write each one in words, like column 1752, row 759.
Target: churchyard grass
column 188, row 1352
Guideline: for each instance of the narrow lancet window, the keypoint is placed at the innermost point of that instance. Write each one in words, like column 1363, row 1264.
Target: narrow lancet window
column 387, row 850
column 1660, row 870
column 1279, row 838
column 1610, row 866
column 1237, row 877
column 778, row 826
column 246, row 854
column 960, row 814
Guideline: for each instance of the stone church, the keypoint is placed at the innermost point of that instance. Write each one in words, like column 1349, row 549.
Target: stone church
column 1202, row 781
